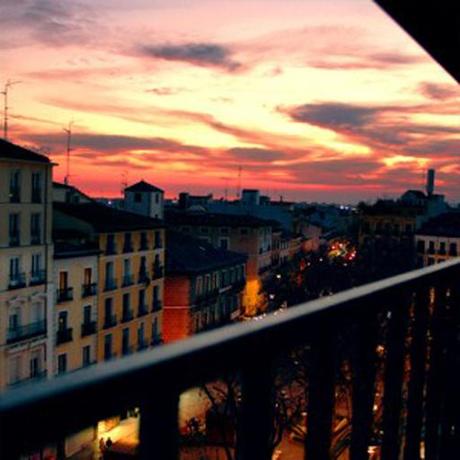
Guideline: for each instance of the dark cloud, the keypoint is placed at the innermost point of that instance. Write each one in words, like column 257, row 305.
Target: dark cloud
column 257, row 154
column 439, row 91
column 163, row 91
column 50, row 22
column 200, row 54
column 334, row 115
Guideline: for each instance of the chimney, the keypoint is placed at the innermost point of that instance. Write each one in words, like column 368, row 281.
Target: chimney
column 430, row 182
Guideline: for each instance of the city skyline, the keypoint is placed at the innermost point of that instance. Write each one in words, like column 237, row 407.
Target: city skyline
column 184, row 94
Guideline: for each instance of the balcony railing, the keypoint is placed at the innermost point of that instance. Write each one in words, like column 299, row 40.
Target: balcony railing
column 127, row 315
column 36, row 196
column 143, row 277
column 128, row 280
column 110, row 284
column 32, row 378
column 26, row 332
column 110, row 321
column 406, row 325
column 14, row 239
column 88, row 290
column 15, row 194
column 157, row 305
column 64, row 295
column 64, row 335
column 157, row 272
column 37, row 277
column 142, row 310
column 17, row 281
column 88, row 328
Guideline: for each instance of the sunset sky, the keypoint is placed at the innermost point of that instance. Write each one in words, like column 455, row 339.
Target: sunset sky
column 315, row 100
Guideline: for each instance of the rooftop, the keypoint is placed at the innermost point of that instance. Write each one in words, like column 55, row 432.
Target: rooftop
column 187, row 255
column 12, row 151
column 106, row 219
column 447, row 224
column 213, row 219
column 142, row 186
column 65, row 250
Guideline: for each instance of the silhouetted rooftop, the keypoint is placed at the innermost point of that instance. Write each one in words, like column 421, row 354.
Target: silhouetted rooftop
column 106, row 219
column 16, row 152
column 447, row 224
column 143, row 186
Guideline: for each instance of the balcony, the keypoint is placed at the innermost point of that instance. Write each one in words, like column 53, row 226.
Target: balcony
column 127, row 350
column 88, row 290
column 142, row 310
column 143, row 277
column 128, row 280
column 14, row 240
column 17, row 281
column 26, row 332
column 33, row 378
column 88, row 328
column 127, row 315
column 15, row 194
column 110, row 284
column 110, row 321
column 35, row 239
column 366, row 327
column 37, row 277
column 157, row 340
column 158, row 272
column 64, row 335
column 110, row 250
column 157, row 305
column 64, row 295
column 36, row 196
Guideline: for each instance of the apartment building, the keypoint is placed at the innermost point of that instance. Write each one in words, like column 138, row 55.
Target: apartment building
column 130, row 274
column 25, row 264
column 74, row 324
column 203, row 286
column 438, row 239
column 245, row 234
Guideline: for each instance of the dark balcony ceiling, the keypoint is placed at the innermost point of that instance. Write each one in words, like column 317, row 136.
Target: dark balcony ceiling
column 434, row 25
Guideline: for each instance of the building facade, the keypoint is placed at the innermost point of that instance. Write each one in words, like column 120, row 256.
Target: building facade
column 25, row 264
column 244, row 234
column 203, row 286
column 130, row 274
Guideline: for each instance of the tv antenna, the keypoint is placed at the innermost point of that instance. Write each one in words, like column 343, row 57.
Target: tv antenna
column 238, row 191
column 124, row 181
column 68, row 131
column 5, row 91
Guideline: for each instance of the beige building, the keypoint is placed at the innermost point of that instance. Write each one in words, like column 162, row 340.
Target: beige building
column 130, row 274
column 74, row 325
column 25, row 265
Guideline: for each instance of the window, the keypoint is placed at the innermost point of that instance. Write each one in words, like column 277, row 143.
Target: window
column 223, row 243
column 420, row 246
column 110, row 248
column 87, row 276
column 158, row 240
column 141, row 299
column 62, row 320
column 86, row 355
column 35, row 367
column 442, row 247
column 453, row 249
column 157, row 198
column 127, row 245
column 62, row 363
column 87, row 314
column 141, row 335
column 36, row 196
column 431, row 247
column 144, row 244
column 108, row 347
column 156, row 290
column 14, row 229
column 108, row 311
column 15, row 187
column 14, row 269
column 125, row 341
column 35, row 228
column 36, row 264
column 138, row 197
column 14, row 320
column 126, row 307
column 63, row 280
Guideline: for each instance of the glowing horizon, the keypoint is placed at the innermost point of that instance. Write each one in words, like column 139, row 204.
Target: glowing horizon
column 318, row 100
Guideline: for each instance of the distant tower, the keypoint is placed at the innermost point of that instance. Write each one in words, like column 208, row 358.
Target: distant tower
column 146, row 199
column 6, row 88
column 430, row 182
column 238, row 190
